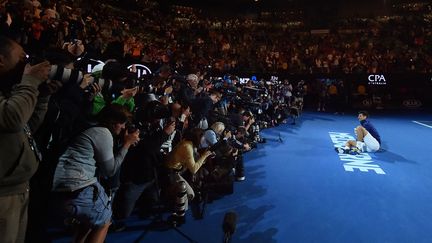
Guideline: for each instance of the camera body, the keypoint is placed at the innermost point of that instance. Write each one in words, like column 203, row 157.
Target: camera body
column 131, row 128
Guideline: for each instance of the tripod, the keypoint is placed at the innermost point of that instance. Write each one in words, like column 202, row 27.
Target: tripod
column 158, row 223
column 198, row 206
column 227, row 238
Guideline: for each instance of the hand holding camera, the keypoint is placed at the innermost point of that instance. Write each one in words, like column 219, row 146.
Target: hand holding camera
column 50, row 87
column 185, row 114
column 129, row 93
column 87, row 80
column 208, row 153
column 9, row 19
column 131, row 138
column 235, row 152
column 227, row 134
column 170, row 127
column 39, row 71
column 168, row 90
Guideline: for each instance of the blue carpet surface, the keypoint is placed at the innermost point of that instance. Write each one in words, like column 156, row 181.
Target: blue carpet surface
column 299, row 191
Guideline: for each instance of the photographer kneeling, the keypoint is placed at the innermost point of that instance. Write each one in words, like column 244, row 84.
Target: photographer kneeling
column 78, row 192
column 181, row 158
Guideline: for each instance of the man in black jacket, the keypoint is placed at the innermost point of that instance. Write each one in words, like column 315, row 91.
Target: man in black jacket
column 202, row 106
column 139, row 170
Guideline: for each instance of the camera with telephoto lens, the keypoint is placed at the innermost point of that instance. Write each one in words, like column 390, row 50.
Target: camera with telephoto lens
column 65, row 75
column 59, row 73
column 217, row 146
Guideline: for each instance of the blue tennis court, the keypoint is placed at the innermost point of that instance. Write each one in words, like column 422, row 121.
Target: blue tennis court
column 300, row 190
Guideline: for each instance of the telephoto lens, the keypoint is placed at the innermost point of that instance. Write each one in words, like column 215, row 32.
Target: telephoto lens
column 65, row 75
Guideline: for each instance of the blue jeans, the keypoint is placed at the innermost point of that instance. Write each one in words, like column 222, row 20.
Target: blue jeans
column 89, row 206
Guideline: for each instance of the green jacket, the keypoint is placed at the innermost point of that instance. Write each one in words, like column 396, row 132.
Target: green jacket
column 18, row 162
column 99, row 103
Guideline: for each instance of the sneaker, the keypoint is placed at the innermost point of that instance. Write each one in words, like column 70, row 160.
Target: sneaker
column 361, row 146
column 240, row 178
column 341, row 150
column 354, row 151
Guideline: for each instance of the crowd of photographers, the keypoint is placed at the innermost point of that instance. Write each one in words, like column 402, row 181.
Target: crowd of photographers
column 104, row 143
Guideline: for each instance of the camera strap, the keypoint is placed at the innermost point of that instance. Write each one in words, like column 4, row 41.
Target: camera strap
column 32, row 143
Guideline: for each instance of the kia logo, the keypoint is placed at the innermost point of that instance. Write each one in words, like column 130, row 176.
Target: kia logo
column 412, row 103
column 367, row 102
column 139, row 69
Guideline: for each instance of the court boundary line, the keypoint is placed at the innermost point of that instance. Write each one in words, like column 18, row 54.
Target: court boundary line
column 422, row 124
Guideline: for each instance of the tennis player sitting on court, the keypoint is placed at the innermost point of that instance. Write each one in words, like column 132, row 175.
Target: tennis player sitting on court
column 368, row 139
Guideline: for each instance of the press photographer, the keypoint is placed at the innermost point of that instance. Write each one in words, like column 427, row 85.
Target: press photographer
column 140, row 171
column 24, row 95
column 227, row 156
column 62, row 65
column 202, row 106
column 115, row 85
column 78, row 194
column 183, row 158
column 187, row 89
column 69, row 112
column 221, row 141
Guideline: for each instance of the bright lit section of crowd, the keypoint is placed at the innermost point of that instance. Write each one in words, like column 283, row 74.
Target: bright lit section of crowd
column 87, row 142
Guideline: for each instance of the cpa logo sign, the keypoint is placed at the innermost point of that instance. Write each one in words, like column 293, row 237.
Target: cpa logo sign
column 139, row 69
column 412, row 103
column 376, row 79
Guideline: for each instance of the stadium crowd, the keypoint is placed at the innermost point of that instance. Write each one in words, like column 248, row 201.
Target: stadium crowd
column 399, row 43
column 93, row 146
